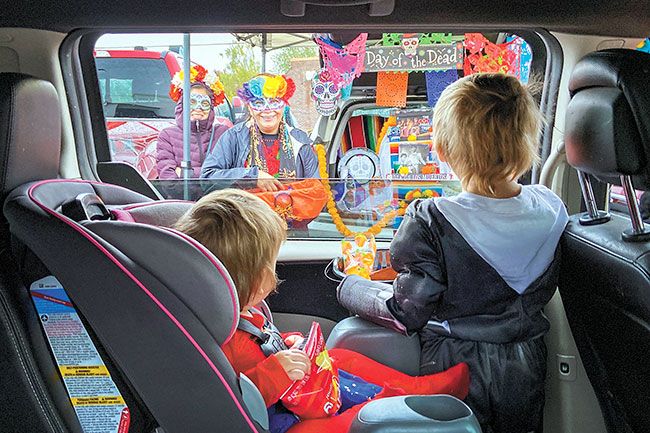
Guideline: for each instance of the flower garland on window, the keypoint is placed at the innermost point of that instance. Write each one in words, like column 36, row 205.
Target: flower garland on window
column 331, row 204
column 198, row 74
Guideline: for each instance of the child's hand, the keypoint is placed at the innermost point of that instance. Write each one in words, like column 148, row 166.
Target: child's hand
column 295, row 362
column 293, row 340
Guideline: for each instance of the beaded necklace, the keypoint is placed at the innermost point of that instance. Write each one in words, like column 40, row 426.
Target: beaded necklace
column 286, row 152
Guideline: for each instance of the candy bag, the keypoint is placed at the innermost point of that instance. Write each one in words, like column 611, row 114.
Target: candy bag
column 359, row 254
column 317, row 395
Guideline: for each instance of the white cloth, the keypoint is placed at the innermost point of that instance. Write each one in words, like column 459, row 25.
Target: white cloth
column 516, row 236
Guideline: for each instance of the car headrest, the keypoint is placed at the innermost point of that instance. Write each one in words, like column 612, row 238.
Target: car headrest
column 608, row 118
column 30, row 130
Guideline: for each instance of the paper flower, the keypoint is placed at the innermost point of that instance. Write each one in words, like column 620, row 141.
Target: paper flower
column 256, row 86
column 272, row 86
column 268, row 86
column 198, row 74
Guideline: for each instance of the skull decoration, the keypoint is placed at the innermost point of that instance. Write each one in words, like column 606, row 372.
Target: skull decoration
column 325, row 93
column 359, row 165
column 410, row 42
column 361, row 168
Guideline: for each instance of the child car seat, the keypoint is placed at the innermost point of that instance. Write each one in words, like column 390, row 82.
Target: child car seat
column 158, row 304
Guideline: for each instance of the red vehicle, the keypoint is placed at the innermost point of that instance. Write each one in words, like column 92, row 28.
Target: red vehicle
column 134, row 85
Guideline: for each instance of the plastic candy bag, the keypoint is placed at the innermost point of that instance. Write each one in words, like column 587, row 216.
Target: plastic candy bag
column 359, row 254
column 317, row 395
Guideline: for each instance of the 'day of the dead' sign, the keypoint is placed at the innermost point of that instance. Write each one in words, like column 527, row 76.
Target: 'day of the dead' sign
column 424, row 58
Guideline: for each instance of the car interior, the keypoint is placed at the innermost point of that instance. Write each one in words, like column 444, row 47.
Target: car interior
column 138, row 286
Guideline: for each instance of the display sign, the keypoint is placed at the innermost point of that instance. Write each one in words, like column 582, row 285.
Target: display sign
column 422, row 58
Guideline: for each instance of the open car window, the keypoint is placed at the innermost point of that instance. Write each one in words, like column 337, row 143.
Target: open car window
column 377, row 150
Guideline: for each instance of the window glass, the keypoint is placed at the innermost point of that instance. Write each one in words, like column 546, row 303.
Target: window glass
column 137, row 87
column 377, row 156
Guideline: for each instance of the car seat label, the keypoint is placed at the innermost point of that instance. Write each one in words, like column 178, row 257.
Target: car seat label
column 94, row 396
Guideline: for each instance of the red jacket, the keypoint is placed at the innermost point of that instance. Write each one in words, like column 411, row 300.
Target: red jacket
column 246, row 357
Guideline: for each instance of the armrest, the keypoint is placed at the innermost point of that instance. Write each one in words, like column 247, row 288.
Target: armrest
column 416, row 414
column 381, row 344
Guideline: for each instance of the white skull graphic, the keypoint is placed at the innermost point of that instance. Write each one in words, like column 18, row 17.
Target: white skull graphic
column 410, row 45
column 325, row 94
column 361, row 167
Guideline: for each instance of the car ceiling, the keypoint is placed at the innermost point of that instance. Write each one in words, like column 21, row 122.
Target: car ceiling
column 615, row 18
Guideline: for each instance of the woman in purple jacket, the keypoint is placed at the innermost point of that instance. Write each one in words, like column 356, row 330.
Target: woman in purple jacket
column 204, row 96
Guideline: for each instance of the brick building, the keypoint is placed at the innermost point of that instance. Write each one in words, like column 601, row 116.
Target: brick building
column 302, row 106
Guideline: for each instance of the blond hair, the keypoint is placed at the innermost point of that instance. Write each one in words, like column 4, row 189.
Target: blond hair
column 488, row 126
column 242, row 231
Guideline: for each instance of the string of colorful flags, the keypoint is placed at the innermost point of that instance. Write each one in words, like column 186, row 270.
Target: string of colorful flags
column 438, row 55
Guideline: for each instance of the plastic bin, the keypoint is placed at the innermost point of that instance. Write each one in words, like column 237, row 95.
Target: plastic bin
column 416, row 414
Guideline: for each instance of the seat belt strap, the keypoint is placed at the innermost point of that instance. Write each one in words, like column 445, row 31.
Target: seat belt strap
column 270, row 341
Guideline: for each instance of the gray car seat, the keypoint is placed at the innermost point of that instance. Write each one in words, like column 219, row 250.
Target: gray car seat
column 157, row 304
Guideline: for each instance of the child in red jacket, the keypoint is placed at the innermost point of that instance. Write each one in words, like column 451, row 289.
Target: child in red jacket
column 246, row 235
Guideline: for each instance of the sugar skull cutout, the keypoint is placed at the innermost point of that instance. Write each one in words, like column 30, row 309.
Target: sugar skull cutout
column 410, row 42
column 325, row 93
column 360, row 165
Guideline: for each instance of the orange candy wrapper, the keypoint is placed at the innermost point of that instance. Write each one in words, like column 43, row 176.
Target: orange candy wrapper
column 317, row 395
column 359, row 254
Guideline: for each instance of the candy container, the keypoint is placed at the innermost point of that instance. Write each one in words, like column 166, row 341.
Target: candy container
column 358, row 254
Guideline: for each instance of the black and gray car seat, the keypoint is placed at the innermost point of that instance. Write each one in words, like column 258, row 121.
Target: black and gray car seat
column 605, row 279
column 157, row 304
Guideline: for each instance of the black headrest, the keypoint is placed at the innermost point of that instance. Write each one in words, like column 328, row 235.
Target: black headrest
column 608, row 119
column 30, row 130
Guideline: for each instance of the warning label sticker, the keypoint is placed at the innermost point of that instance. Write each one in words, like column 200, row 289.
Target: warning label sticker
column 96, row 400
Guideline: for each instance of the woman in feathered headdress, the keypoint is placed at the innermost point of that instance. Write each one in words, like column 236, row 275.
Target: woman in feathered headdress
column 264, row 147
column 206, row 92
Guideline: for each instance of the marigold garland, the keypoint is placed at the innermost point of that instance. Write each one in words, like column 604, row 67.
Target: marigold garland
column 331, row 205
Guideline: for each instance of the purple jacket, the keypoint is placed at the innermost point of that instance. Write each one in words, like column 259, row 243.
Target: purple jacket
column 169, row 150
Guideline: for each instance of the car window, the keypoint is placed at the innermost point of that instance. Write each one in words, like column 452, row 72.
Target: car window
column 376, row 157
column 134, row 87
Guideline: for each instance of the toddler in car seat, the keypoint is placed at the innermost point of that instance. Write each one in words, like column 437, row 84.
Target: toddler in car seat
column 246, row 234
column 475, row 270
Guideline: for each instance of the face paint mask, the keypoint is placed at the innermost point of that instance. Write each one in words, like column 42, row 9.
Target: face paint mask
column 200, row 102
column 264, row 104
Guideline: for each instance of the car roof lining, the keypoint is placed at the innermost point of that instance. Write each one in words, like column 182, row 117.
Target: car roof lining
column 623, row 19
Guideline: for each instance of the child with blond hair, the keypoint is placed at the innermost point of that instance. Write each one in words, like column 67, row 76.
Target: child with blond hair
column 245, row 234
column 475, row 270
